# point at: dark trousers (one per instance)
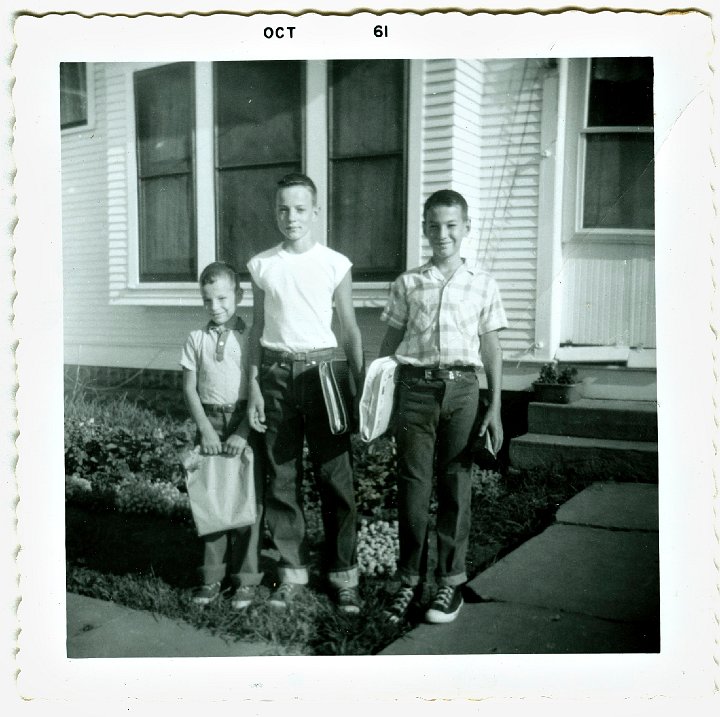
(236, 552)
(294, 409)
(436, 422)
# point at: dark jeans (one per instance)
(436, 419)
(236, 552)
(294, 408)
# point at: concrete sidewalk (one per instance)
(587, 584)
(96, 628)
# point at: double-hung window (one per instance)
(211, 141)
(612, 198)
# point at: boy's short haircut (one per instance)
(212, 272)
(446, 198)
(296, 179)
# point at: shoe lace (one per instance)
(444, 596)
(285, 590)
(403, 598)
(347, 595)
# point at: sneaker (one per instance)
(402, 599)
(446, 605)
(205, 594)
(242, 598)
(348, 600)
(284, 594)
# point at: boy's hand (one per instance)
(210, 442)
(491, 422)
(235, 444)
(256, 409)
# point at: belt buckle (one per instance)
(428, 374)
(452, 375)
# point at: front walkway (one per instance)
(587, 584)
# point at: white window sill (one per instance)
(365, 295)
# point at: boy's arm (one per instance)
(391, 341)
(210, 441)
(256, 403)
(491, 354)
(349, 330)
(237, 440)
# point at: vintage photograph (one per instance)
(487, 226)
(364, 356)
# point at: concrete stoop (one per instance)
(605, 437)
(596, 418)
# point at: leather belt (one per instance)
(219, 407)
(429, 373)
(301, 356)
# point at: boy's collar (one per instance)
(313, 243)
(234, 324)
(429, 264)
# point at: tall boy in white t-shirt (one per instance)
(294, 286)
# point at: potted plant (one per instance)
(557, 385)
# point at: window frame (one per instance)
(578, 131)
(89, 123)
(370, 294)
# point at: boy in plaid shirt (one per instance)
(443, 321)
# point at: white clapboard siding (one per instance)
(510, 116)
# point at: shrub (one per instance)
(374, 468)
(552, 373)
(486, 485)
(108, 442)
(139, 495)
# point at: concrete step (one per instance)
(602, 457)
(596, 418)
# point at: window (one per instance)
(367, 164)
(618, 183)
(164, 122)
(213, 139)
(258, 133)
(73, 95)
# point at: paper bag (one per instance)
(221, 490)
(378, 398)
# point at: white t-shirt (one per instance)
(299, 292)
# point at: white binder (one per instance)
(378, 398)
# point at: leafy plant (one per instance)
(552, 373)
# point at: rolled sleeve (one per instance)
(492, 315)
(395, 313)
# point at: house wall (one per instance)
(480, 135)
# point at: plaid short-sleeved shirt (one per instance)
(443, 320)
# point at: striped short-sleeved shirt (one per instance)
(443, 319)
